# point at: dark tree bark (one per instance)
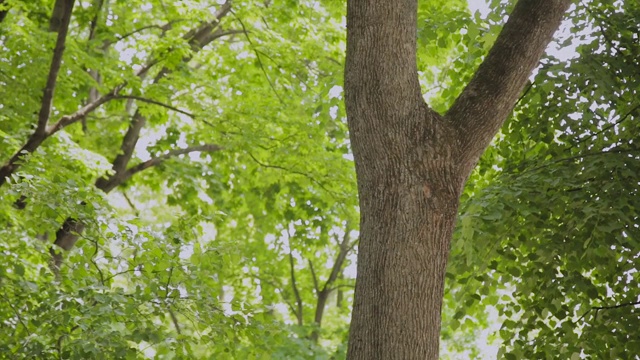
(412, 164)
(3, 12)
(56, 21)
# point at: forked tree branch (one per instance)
(195, 38)
(93, 25)
(69, 232)
(323, 294)
(173, 153)
(83, 112)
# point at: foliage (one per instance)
(241, 219)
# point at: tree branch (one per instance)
(40, 133)
(314, 277)
(610, 126)
(56, 21)
(598, 308)
(164, 28)
(84, 111)
(294, 285)
(67, 239)
(615, 150)
(480, 110)
(174, 319)
(68, 234)
(345, 247)
(155, 102)
(323, 295)
(94, 20)
(118, 179)
(138, 122)
(173, 153)
(246, 34)
(308, 176)
(56, 61)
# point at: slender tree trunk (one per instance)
(412, 164)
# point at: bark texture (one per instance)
(412, 164)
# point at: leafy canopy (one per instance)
(230, 228)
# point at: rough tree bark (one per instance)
(412, 163)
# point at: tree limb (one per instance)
(174, 319)
(294, 285)
(173, 153)
(138, 122)
(40, 133)
(480, 110)
(68, 234)
(610, 126)
(323, 295)
(246, 34)
(66, 239)
(155, 102)
(47, 97)
(94, 20)
(314, 276)
(84, 111)
(345, 248)
(164, 28)
(598, 308)
(57, 19)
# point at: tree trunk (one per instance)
(412, 164)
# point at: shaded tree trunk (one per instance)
(412, 163)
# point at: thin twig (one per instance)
(580, 156)
(166, 291)
(294, 285)
(598, 308)
(164, 28)
(345, 248)
(291, 171)
(155, 102)
(608, 127)
(174, 319)
(15, 311)
(313, 276)
(264, 71)
(157, 160)
(131, 205)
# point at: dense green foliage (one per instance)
(230, 230)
